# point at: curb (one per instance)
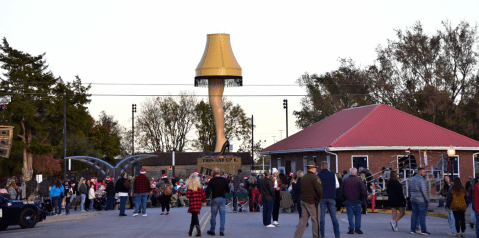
(69, 218)
(388, 211)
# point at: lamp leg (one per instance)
(215, 92)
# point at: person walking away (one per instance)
(122, 187)
(197, 198)
(450, 217)
(396, 199)
(339, 202)
(330, 184)
(167, 189)
(56, 194)
(91, 196)
(296, 190)
(353, 193)
(131, 192)
(419, 201)
(83, 191)
(217, 187)
(311, 195)
(277, 184)
(458, 201)
(266, 188)
(141, 187)
(110, 194)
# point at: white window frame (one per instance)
(293, 166)
(278, 165)
(458, 174)
(367, 160)
(305, 162)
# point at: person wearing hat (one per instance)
(110, 194)
(277, 186)
(311, 195)
(141, 187)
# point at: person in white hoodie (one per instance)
(91, 196)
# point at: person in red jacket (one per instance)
(141, 188)
(197, 197)
(475, 204)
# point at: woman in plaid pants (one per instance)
(197, 197)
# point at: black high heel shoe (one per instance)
(225, 148)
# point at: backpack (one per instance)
(168, 190)
(458, 202)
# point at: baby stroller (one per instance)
(48, 206)
(100, 201)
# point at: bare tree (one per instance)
(164, 122)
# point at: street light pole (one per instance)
(64, 136)
(133, 110)
(262, 148)
(285, 106)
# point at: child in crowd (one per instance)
(91, 196)
(67, 203)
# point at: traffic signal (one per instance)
(6, 134)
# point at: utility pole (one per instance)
(285, 106)
(280, 134)
(64, 136)
(252, 143)
(274, 139)
(133, 110)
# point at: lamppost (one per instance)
(451, 152)
(285, 106)
(262, 147)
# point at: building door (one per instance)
(293, 166)
(287, 167)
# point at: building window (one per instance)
(279, 163)
(359, 161)
(305, 162)
(328, 160)
(293, 166)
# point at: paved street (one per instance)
(109, 224)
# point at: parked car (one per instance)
(24, 213)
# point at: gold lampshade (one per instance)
(218, 62)
(451, 152)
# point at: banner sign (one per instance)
(226, 164)
(425, 158)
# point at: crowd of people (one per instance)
(313, 192)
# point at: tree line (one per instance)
(432, 76)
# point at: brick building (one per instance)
(373, 136)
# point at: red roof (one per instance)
(373, 125)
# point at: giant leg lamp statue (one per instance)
(218, 68)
